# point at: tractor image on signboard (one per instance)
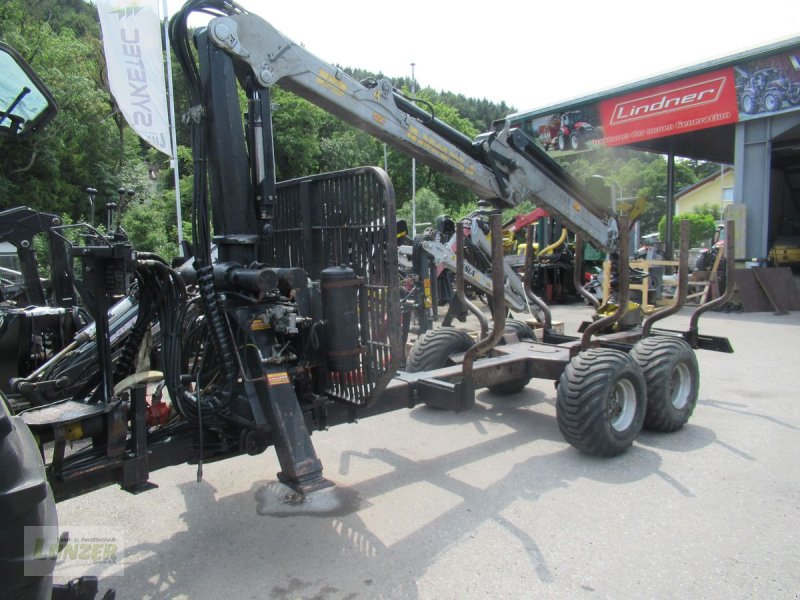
(765, 90)
(570, 131)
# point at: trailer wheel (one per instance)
(601, 402)
(433, 349)
(670, 370)
(520, 328)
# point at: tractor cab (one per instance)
(26, 104)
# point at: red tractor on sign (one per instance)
(570, 131)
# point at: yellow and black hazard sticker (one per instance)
(259, 325)
(331, 82)
(280, 378)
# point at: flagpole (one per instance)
(174, 137)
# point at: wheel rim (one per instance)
(622, 405)
(771, 103)
(681, 386)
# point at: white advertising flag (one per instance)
(132, 43)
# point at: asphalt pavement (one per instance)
(493, 503)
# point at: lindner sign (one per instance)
(690, 104)
(748, 90)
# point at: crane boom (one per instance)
(502, 166)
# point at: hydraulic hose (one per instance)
(218, 327)
(556, 244)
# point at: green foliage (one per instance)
(50, 170)
(346, 149)
(429, 206)
(709, 209)
(701, 227)
(89, 144)
(639, 175)
(296, 126)
(42, 246)
(480, 113)
(702, 168)
(151, 226)
(520, 209)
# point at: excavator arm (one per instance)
(502, 166)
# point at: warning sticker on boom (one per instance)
(278, 378)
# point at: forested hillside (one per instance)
(89, 143)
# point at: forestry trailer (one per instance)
(295, 325)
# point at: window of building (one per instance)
(727, 194)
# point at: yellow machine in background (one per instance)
(785, 252)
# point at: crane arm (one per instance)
(502, 166)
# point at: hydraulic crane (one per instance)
(293, 325)
(502, 166)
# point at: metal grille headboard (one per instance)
(348, 218)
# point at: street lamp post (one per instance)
(413, 171)
(669, 213)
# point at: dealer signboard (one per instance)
(690, 104)
(749, 90)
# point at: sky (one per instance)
(528, 54)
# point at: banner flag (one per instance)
(135, 61)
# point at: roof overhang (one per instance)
(691, 112)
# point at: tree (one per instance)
(481, 113)
(702, 168)
(701, 227)
(348, 148)
(429, 206)
(296, 125)
(709, 209)
(655, 188)
(638, 174)
(51, 170)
